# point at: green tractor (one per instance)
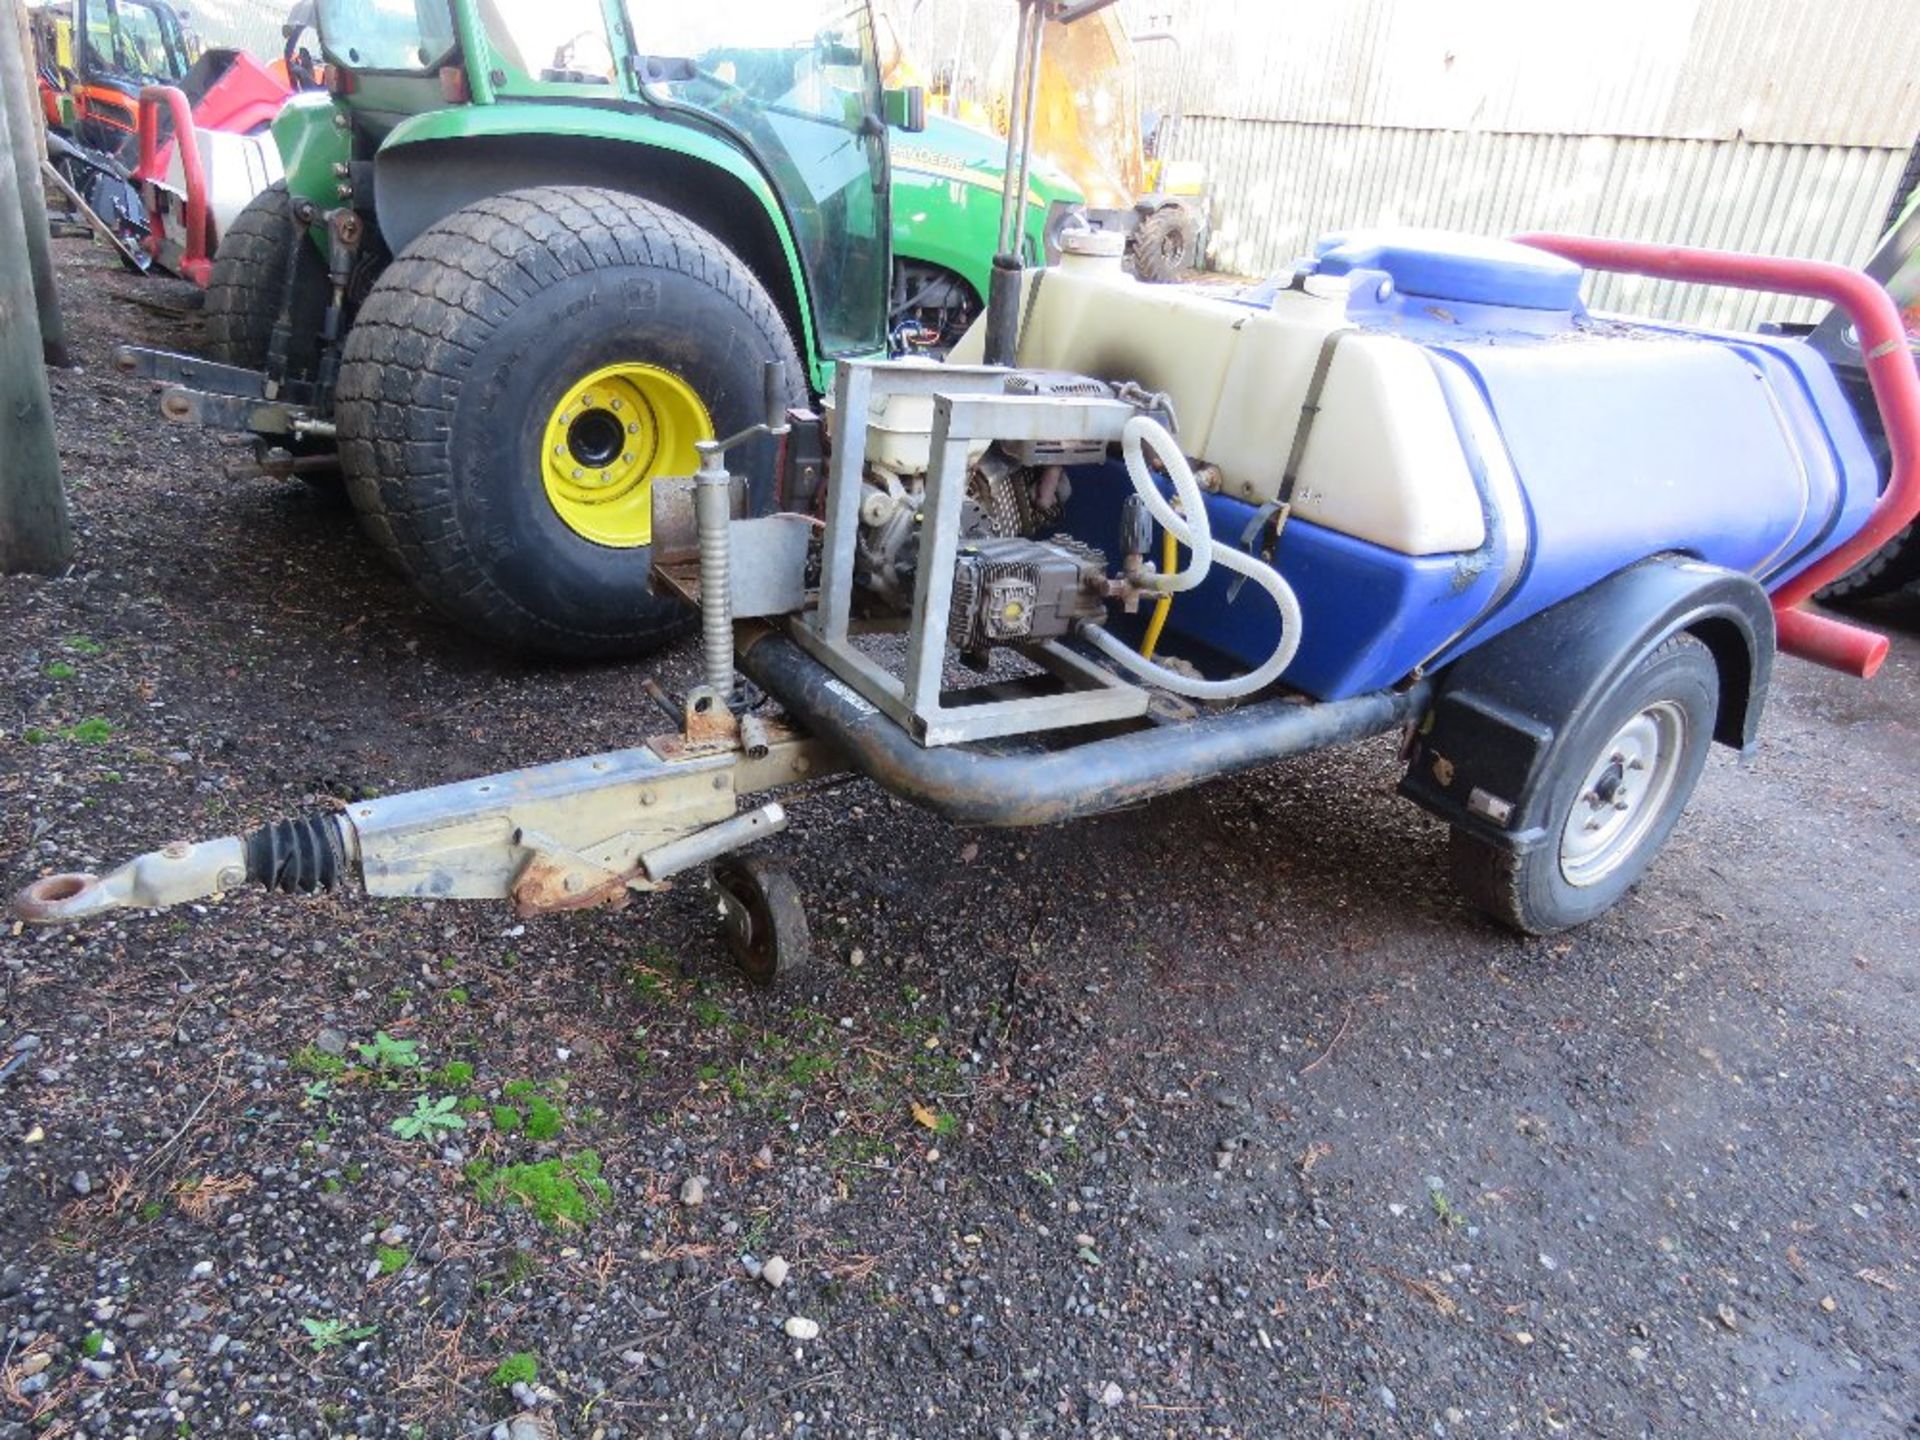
(1895, 263)
(525, 257)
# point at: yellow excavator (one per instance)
(1088, 123)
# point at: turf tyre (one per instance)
(1894, 566)
(461, 351)
(245, 289)
(1166, 245)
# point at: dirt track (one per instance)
(1231, 1119)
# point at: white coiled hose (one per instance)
(1143, 433)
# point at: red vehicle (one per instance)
(121, 81)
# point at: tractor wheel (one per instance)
(242, 305)
(1894, 566)
(513, 385)
(1615, 785)
(246, 287)
(1166, 245)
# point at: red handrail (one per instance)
(195, 263)
(1896, 393)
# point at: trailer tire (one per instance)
(1603, 827)
(1166, 245)
(494, 327)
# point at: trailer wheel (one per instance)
(1165, 245)
(1615, 786)
(764, 919)
(513, 385)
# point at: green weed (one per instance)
(392, 1259)
(430, 1116)
(561, 1193)
(520, 1368)
(387, 1053)
(324, 1335)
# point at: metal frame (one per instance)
(969, 404)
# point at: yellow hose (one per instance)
(1156, 622)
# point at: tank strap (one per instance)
(1262, 535)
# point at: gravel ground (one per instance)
(1221, 1116)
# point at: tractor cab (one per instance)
(95, 56)
(794, 87)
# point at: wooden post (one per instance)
(25, 25)
(18, 81)
(34, 533)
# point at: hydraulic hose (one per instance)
(1157, 622)
(1192, 530)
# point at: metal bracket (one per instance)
(970, 403)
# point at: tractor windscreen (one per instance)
(135, 39)
(407, 36)
(797, 81)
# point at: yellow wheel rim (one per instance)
(612, 434)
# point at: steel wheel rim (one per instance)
(610, 436)
(1624, 793)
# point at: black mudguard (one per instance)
(1500, 709)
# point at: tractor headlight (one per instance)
(1063, 218)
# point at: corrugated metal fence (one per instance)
(1767, 125)
(1770, 125)
(251, 25)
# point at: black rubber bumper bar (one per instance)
(1042, 787)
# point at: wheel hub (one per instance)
(609, 436)
(1624, 793)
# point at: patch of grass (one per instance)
(520, 1368)
(543, 1120)
(1445, 1210)
(531, 1112)
(94, 730)
(92, 1344)
(562, 1193)
(458, 995)
(84, 645)
(309, 1060)
(37, 735)
(520, 1269)
(708, 1013)
(60, 670)
(809, 1066)
(392, 1259)
(151, 1211)
(454, 1075)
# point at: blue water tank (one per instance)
(1464, 269)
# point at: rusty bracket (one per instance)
(556, 879)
